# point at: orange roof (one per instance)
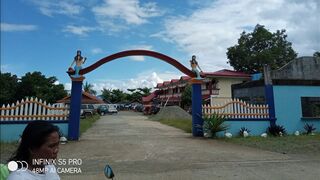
(159, 85)
(166, 83)
(150, 97)
(227, 73)
(87, 98)
(184, 78)
(174, 80)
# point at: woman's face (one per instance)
(49, 150)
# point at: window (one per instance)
(310, 107)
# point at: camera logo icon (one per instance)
(14, 165)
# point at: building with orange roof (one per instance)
(216, 84)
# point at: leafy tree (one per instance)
(144, 91)
(87, 87)
(37, 85)
(186, 96)
(258, 48)
(8, 88)
(131, 90)
(316, 54)
(117, 96)
(106, 94)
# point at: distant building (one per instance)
(296, 92)
(87, 98)
(215, 83)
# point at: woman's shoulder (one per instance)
(19, 174)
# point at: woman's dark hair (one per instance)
(34, 136)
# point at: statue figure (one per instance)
(79, 60)
(195, 66)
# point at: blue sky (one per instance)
(44, 35)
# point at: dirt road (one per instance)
(137, 148)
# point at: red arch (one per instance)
(163, 57)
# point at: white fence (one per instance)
(237, 109)
(33, 109)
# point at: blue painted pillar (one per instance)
(75, 104)
(268, 88)
(197, 121)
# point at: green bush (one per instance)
(309, 128)
(276, 130)
(213, 124)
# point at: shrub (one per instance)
(242, 130)
(309, 128)
(276, 130)
(214, 123)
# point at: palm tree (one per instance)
(144, 91)
(87, 87)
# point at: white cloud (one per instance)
(96, 51)
(139, 47)
(78, 30)
(145, 79)
(112, 13)
(17, 27)
(52, 7)
(210, 30)
(67, 86)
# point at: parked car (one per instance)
(87, 110)
(107, 109)
(112, 108)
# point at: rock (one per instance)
(245, 134)
(63, 140)
(228, 135)
(264, 135)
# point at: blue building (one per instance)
(296, 94)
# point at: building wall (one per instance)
(300, 68)
(224, 84)
(288, 106)
(256, 128)
(12, 132)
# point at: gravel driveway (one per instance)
(137, 148)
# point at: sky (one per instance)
(44, 35)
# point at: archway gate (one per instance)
(76, 90)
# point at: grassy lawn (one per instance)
(304, 144)
(86, 123)
(6, 149)
(183, 124)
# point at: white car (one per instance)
(112, 108)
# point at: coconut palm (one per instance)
(87, 87)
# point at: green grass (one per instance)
(87, 122)
(304, 144)
(183, 124)
(6, 150)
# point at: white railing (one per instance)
(237, 109)
(33, 109)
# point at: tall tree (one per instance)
(258, 48)
(145, 91)
(117, 96)
(37, 85)
(8, 88)
(87, 87)
(316, 54)
(106, 94)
